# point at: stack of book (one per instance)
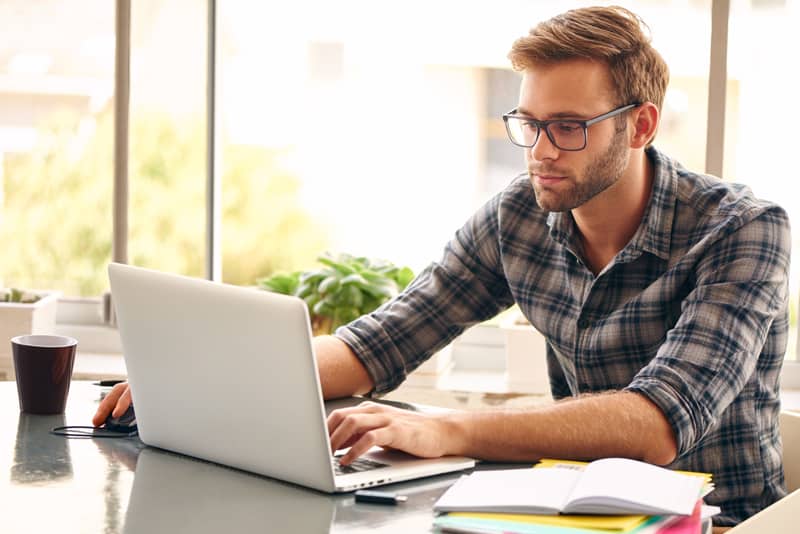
(609, 496)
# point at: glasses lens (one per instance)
(521, 132)
(568, 135)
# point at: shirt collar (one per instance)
(654, 233)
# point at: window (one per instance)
(167, 151)
(56, 141)
(331, 131)
(56, 86)
(330, 126)
(761, 116)
(341, 132)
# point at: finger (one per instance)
(377, 436)
(350, 441)
(123, 403)
(108, 404)
(355, 425)
(334, 420)
(336, 417)
(374, 407)
(344, 431)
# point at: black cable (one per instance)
(87, 432)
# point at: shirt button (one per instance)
(583, 323)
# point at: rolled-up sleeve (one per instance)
(465, 287)
(713, 349)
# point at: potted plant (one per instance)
(344, 288)
(23, 312)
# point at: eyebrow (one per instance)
(559, 115)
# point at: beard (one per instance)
(598, 175)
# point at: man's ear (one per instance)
(645, 122)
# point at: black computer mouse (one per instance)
(124, 423)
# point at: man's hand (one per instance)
(370, 424)
(115, 403)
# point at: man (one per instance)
(662, 293)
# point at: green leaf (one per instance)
(280, 283)
(382, 292)
(336, 265)
(370, 303)
(345, 315)
(330, 300)
(312, 277)
(373, 277)
(311, 301)
(329, 284)
(355, 279)
(304, 290)
(403, 277)
(354, 296)
(323, 308)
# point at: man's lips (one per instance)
(547, 179)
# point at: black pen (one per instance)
(107, 383)
(379, 497)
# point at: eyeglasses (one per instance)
(565, 134)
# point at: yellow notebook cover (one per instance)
(611, 523)
(552, 462)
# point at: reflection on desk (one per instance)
(52, 484)
(179, 494)
(173, 493)
(37, 461)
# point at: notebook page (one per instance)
(618, 484)
(510, 490)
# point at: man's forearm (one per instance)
(623, 424)
(341, 372)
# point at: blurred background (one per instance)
(370, 128)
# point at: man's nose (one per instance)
(544, 148)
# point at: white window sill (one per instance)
(472, 373)
(458, 389)
(790, 399)
(94, 366)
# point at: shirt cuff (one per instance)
(381, 375)
(672, 405)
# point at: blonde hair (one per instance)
(613, 35)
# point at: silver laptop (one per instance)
(228, 374)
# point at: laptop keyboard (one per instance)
(360, 464)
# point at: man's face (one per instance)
(575, 89)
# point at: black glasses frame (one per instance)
(545, 125)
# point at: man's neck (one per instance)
(608, 222)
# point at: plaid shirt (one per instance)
(692, 314)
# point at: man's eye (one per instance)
(567, 127)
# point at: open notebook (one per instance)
(608, 486)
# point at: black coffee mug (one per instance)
(43, 365)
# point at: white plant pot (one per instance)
(17, 319)
(433, 369)
(526, 359)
